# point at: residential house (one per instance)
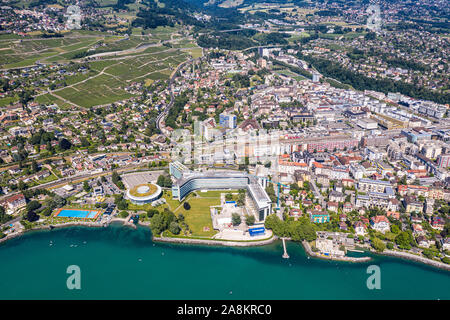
(380, 223)
(360, 228)
(332, 206)
(317, 216)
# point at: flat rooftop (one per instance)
(254, 187)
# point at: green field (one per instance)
(199, 217)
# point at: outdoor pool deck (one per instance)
(75, 213)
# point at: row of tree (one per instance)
(362, 82)
(299, 230)
(164, 181)
(167, 220)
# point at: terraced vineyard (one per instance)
(114, 62)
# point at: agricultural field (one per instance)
(98, 90)
(114, 62)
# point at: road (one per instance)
(67, 180)
(165, 111)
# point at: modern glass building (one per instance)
(191, 181)
(228, 120)
(176, 169)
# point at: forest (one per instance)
(362, 82)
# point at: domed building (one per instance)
(144, 193)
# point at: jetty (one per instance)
(285, 254)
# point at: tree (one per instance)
(3, 216)
(278, 227)
(117, 180)
(157, 224)
(174, 228)
(375, 211)
(33, 205)
(250, 220)
(301, 230)
(32, 216)
(84, 142)
(152, 212)
(428, 253)
(395, 228)
(378, 245)
(123, 214)
(22, 185)
(404, 240)
(186, 206)
(370, 36)
(34, 166)
(271, 192)
(236, 219)
(122, 204)
(65, 144)
(241, 198)
(180, 218)
(228, 197)
(86, 186)
(164, 181)
(403, 180)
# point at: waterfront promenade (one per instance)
(410, 256)
(216, 242)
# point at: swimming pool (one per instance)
(74, 213)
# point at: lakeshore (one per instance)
(123, 263)
(412, 257)
(216, 242)
(229, 243)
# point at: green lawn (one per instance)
(199, 215)
(170, 204)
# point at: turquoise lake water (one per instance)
(122, 263)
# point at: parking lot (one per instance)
(133, 179)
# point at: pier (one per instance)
(285, 254)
